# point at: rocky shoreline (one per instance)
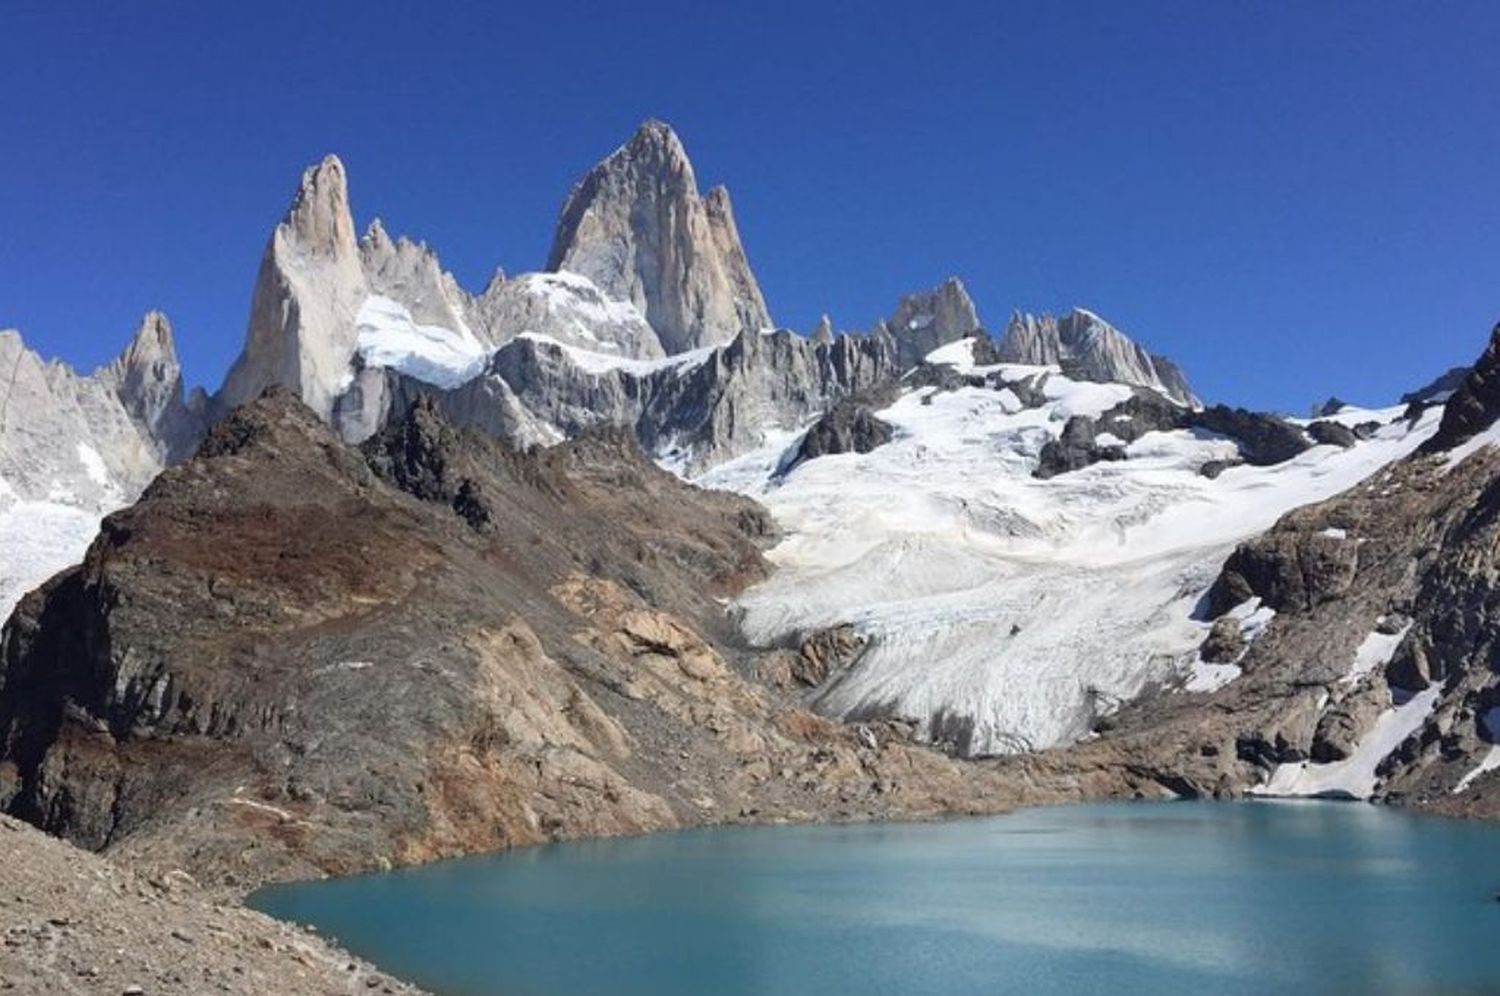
(77, 923)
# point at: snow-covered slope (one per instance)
(388, 336)
(1005, 612)
(40, 538)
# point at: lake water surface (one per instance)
(1161, 898)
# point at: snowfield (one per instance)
(1004, 612)
(40, 538)
(388, 336)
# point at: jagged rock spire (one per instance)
(302, 331)
(147, 378)
(636, 226)
(410, 272)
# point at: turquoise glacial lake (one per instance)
(1160, 898)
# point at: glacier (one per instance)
(1005, 613)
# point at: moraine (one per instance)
(1160, 898)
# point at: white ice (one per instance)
(388, 336)
(40, 538)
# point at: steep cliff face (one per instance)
(311, 283)
(293, 656)
(637, 227)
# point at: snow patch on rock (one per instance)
(1354, 777)
(388, 336)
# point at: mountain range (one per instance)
(601, 549)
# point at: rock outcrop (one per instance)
(636, 226)
(1087, 347)
(1263, 439)
(1074, 448)
(850, 426)
(1475, 403)
(311, 283)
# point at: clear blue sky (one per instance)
(1291, 199)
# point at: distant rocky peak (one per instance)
(376, 239)
(319, 219)
(149, 363)
(924, 321)
(823, 331)
(655, 150)
(1090, 348)
(153, 345)
(147, 380)
(636, 226)
(301, 333)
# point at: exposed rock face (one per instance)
(637, 227)
(923, 322)
(1438, 389)
(1089, 348)
(1475, 404)
(1074, 449)
(311, 283)
(294, 657)
(1263, 439)
(1224, 642)
(1287, 570)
